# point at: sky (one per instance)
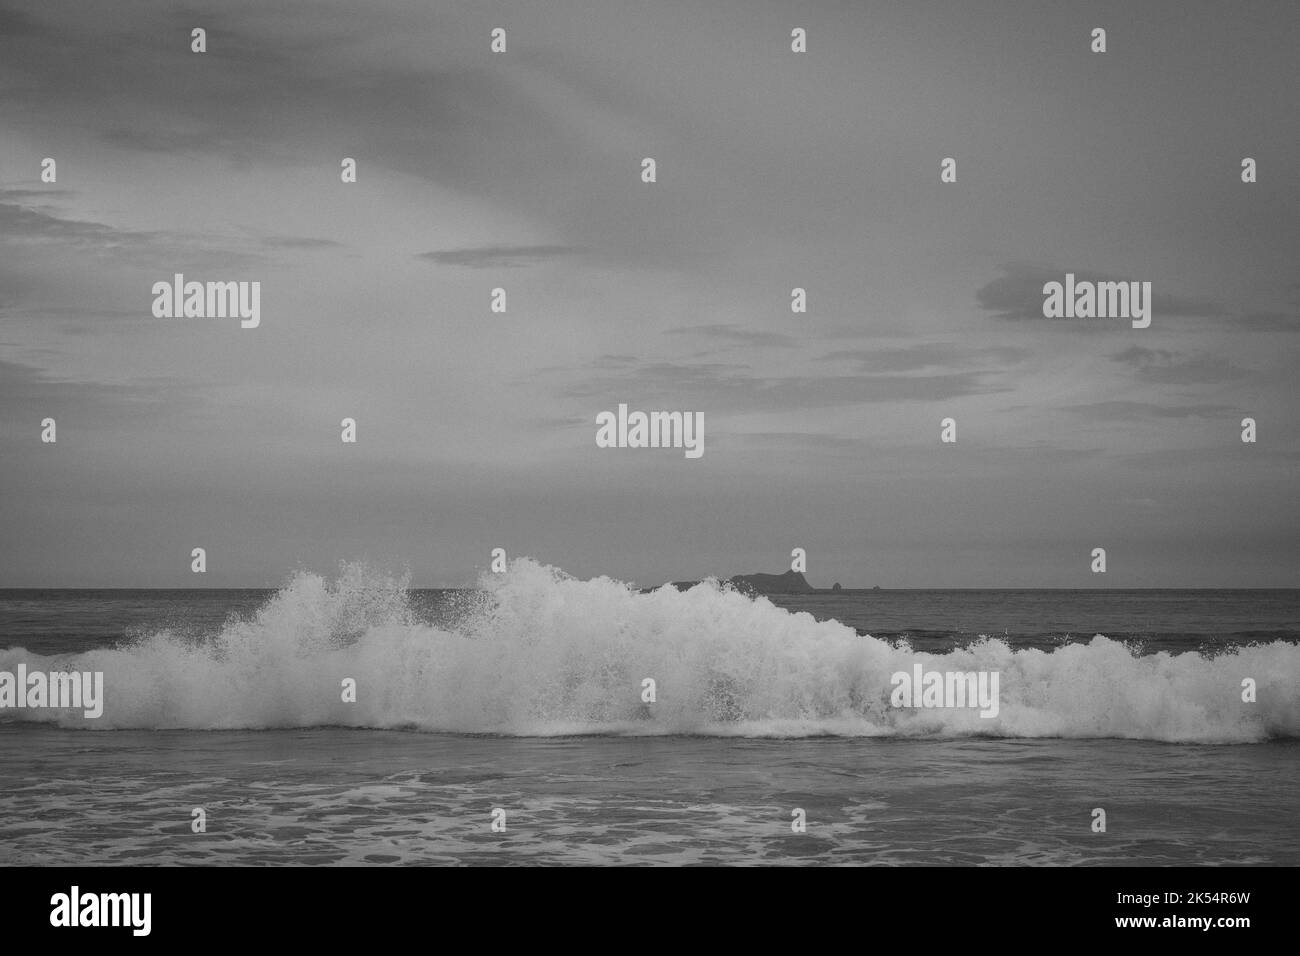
(774, 170)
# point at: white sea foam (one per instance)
(540, 653)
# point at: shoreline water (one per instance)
(336, 796)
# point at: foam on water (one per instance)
(541, 653)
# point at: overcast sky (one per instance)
(775, 170)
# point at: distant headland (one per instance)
(791, 582)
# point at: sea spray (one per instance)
(536, 652)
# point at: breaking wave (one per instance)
(536, 652)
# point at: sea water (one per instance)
(522, 703)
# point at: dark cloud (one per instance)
(497, 257)
(524, 134)
(269, 90)
(300, 242)
(613, 361)
(1164, 368)
(1141, 411)
(22, 223)
(1018, 293)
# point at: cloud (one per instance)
(1163, 367)
(496, 257)
(738, 336)
(927, 355)
(15, 23)
(19, 195)
(300, 242)
(28, 394)
(15, 287)
(614, 361)
(733, 388)
(544, 135)
(24, 224)
(1270, 321)
(1018, 294)
(1142, 411)
(1138, 356)
(167, 141)
(1206, 370)
(811, 441)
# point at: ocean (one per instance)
(513, 724)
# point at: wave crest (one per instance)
(536, 652)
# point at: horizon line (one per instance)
(842, 590)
